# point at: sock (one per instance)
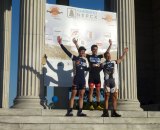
(69, 110)
(90, 103)
(113, 111)
(79, 110)
(105, 110)
(98, 103)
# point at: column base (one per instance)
(129, 105)
(25, 102)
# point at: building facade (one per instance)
(138, 29)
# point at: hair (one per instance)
(106, 53)
(93, 46)
(81, 48)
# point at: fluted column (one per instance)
(31, 45)
(127, 69)
(5, 46)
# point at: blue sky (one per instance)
(90, 4)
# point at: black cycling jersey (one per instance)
(94, 64)
(80, 66)
(94, 60)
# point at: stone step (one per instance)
(76, 120)
(54, 112)
(38, 119)
(79, 126)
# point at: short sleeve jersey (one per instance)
(80, 67)
(94, 60)
(109, 68)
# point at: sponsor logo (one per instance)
(81, 14)
(95, 59)
(108, 18)
(54, 11)
(71, 13)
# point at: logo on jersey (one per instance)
(95, 59)
(82, 63)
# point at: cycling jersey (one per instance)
(110, 73)
(81, 67)
(94, 73)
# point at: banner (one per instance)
(88, 26)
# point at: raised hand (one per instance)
(126, 50)
(75, 41)
(110, 41)
(59, 40)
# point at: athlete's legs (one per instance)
(98, 94)
(105, 110)
(107, 94)
(81, 95)
(98, 87)
(114, 100)
(91, 88)
(71, 102)
(106, 99)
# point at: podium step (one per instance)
(32, 119)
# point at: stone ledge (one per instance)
(55, 112)
(95, 113)
(20, 112)
(79, 126)
(62, 112)
(153, 114)
(76, 120)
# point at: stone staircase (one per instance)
(38, 119)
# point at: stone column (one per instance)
(127, 69)
(5, 45)
(31, 45)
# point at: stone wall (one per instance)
(147, 14)
(145, 51)
(156, 41)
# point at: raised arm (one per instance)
(110, 45)
(123, 55)
(76, 43)
(59, 40)
(108, 49)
